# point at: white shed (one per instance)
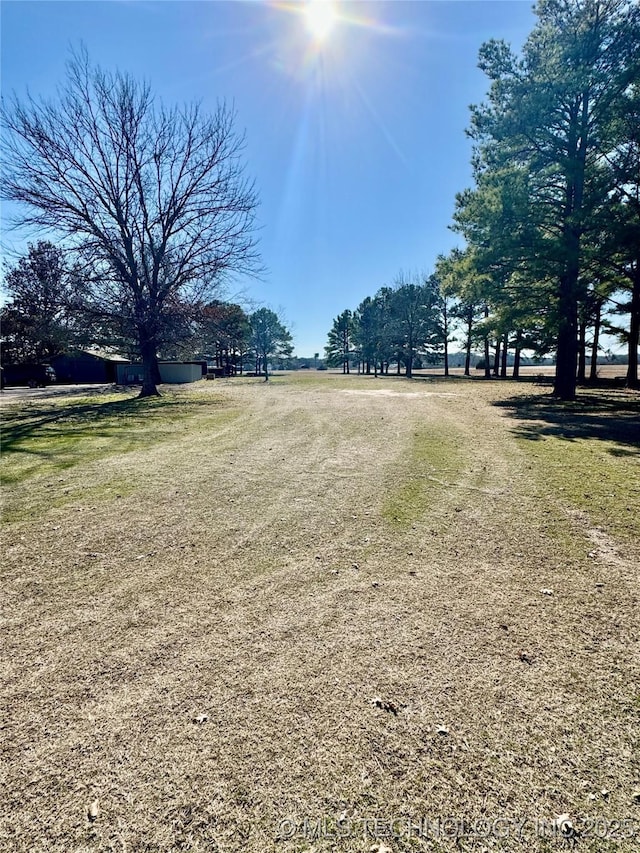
(180, 371)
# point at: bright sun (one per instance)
(321, 18)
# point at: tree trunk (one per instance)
(409, 366)
(582, 351)
(150, 370)
(446, 338)
(496, 357)
(634, 332)
(505, 352)
(567, 349)
(487, 357)
(516, 354)
(467, 358)
(593, 371)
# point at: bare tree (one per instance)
(153, 200)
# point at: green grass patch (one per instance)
(586, 454)
(62, 451)
(594, 478)
(434, 456)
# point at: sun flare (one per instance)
(321, 18)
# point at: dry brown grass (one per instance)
(286, 555)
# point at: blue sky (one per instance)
(355, 141)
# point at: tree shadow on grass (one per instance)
(31, 428)
(431, 378)
(603, 416)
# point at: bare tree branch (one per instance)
(153, 199)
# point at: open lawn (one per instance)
(278, 617)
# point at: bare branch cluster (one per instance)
(153, 199)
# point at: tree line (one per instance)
(551, 226)
(50, 313)
(403, 324)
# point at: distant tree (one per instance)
(414, 320)
(367, 334)
(340, 341)
(269, 339)
(152, 200)
(442, 295)
(225, 333)
(387, 332)
(459, 280)
(41, 320)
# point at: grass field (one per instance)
(278, 617)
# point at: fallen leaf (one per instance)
(525, 658)
(201, 718)
(390, 707)
(546, 591)
(442, 730)
(93, 811)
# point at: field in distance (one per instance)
(278, 617)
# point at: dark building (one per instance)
(86, 366)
